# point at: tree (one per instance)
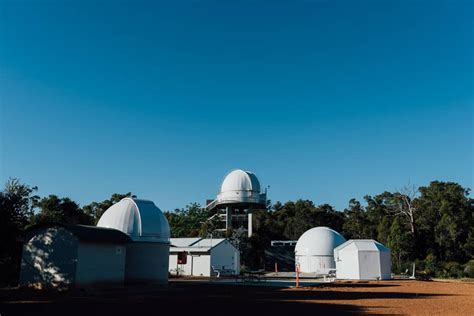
(399, 241)
(60, 210)
(16, 206)
(187, 222)
(356, 223)
(383, 230)
(402, 204)
(445, 221)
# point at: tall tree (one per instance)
(356, 223)
(403, 204)
(16, 206)
(187, 222)
(399, 241)
(445, 220)
(60, 210)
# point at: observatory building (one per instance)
(314, 251)
(239, 194)
(363, 259)
(56, 255)
(203, 257)
(147, 256)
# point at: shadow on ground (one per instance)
(189, 297)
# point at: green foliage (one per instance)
(16, 206)
(399, 241)
(445, 221)
(188, 222)
(469, 269)
(356, 222)
(60, 210)
(452, 270)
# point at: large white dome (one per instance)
(140, 219)
(241, 187)
(318, 241)
(239, 180)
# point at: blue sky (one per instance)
(323, 100)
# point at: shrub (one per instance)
(452, 270)
(423, 275)
(431, 265)
(469, 269)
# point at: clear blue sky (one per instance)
(323, 100)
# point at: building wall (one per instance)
(315, 264)
(347, 264)
(200, 264)
(385, 265)
(363, 265)
(369, 265)
(147, 262)
(49, 258)
(100, 263)
(173, 264)
(225, 256)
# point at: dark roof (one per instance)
(88, 233)
(94, 234)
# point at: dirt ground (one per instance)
(182, 297)
(399, 297)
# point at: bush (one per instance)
(452, 270)
(431, 265)
(423, 275)
(469, 269)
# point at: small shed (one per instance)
(203, 257)
(362, 259)
(57, 255)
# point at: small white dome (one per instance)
(239, 180)
(140, 219)
(318, 241)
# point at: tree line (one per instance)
(431, 225)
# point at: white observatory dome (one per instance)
(318, 241)
(239, 180)
(314, 251)
(241, 187)
(140, 219)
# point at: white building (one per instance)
(314, 251)
(147, 255)
(73, 255)
(203, 257)
(362, 259)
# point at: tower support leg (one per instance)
(250, 225)
(228, 218)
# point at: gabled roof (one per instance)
(190, 249)
(184, 242)
(87, 233)
(208, 242)
(200, 245)
(363, 245)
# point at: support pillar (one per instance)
(228, 218)
(250, 224)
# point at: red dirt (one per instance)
(400, 297)
(377, 297)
